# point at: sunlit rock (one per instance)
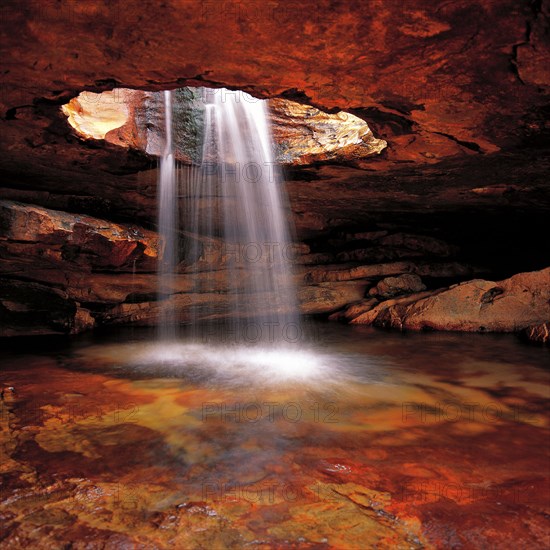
(94, 115)
(305, 134)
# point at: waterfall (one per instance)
(256, 236)
(168, 229)
(234, 213)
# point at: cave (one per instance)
(275, 274)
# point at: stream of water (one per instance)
(167, 224)
(242, 237)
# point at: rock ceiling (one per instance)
(458, 90)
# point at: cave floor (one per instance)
(432, 440)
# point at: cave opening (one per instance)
(133, 118)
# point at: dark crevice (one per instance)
(11, 113)
(467, 144)
(378, 119)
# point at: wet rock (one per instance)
(313, 299)
(394, 286)
(371, 315)
(64, 273)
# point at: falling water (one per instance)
(168, 230)
(234, 202)
(238, 153)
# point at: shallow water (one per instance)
(360, 439)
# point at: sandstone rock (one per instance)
(428, 100)
(475, 306)
(93, 116)
(328, 297)
(435, 121)
(304, 134)
(65, 273)
(343, 272)
(348, 273)
(367, 235)
(447, 108)
(354, 310)
(394, 286)
(371, 315)
(317, 258)
(377, 254)
(383, 247)
(314, 299)
(81, 240)
(446, 270)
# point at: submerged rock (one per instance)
(539, 333)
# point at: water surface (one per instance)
(360, 439)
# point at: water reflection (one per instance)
(367, 439)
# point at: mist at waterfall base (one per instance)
(256, 328)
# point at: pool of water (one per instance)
(357, 439)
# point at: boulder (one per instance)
(328, 297)
(371, 315)
(354, 310)
(510, 305)
(395, 286)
